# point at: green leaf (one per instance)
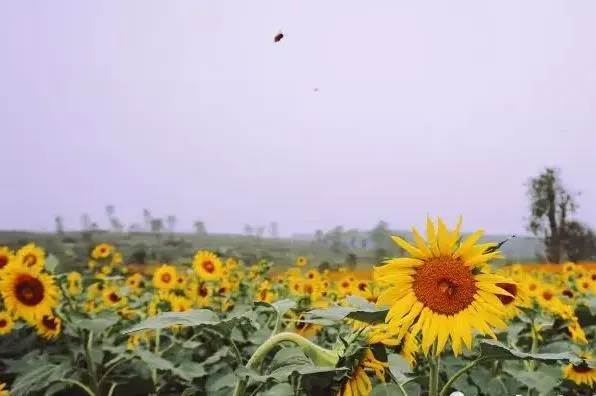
(386, 389)
(481, 377)
(496, 387)
(360, 303)
(543, 382)
(189, 370)
(193, 317)
(338, 313)
(293, 356)
(413, 389)
(103, 321)
(51, 263)
(514, 331)
(281, 306)
(34, 380)
(153, 361)
(218, 382)
(497, 351)
(280, 390)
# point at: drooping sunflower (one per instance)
(440, 290)
(30, 256)
(302, 327)
(101, 251)
(207, 265)
(28, 294)
(582, 374)
(6, 323)
(49, 326)
(6, 257)
(164, 277)
(301, 261)
(407, 347)
(358, 383)
(514, 301)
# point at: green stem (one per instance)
(111, 391)
(320, 356)
(458, 374)
(77, 383)
(112, 367)
(435, 362)
(89, 360)
(156, 351)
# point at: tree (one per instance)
(380, 234)
(274, 229)
(319, 237)
(171, 221)
(59, 221)
(580, 242)
(86, 221)
(550, 207)
(156, 225)
(110, 211)
(248, 230)
(147, 218)
(200, 228)
(335, 238)
(351, 261)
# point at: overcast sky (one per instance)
(189, 108)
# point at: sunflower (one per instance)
(135, 283)
(358, 384)
(3, 390)
(31, 256)
(531, 286)
(568, 268)
(111, 297)
(164, 277)
(344, 286)
(303, 328)
(582, 374)
(441, 291)
(407, 347)
(547, 297)
(207, 265)
(180, 304)
(6, 323)
(133, 342)
(28, 294)
(296, 286)
(6, 257)
(514, 301)
(181, 281)
(576, 332)
(116, 259)
(49, 326)
(75, 283)
(301, 261)
(204, 294)
(584, 284)
(312, 288)
(362, 288)
(101, 251)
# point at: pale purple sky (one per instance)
(189, 108)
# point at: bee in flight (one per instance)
(277, 38)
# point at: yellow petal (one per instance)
(468, 243)
(443, 240)
(443, 332)
(414, 252)
(420, 242)
(389, 296)
(431, 237)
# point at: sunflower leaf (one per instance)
(51, 263)
(281, 306)
(543, 382)
(97, 325)
(497, 351)
(338, 313)
(193, 317)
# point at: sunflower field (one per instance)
(438, 321)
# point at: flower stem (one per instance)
(79, 384)
(458, 374)
(320, 356)
(433, 379)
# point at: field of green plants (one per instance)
(437, 320)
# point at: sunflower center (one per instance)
(3, 261)
(209, 266)
(345, 285)
(301, 325)
(29, 260)
(29, 290)
(547, 295)
(445, 285)
(114, 297)
(308, 289)
(263, 294)
(362, 286)
(203, 292)
(582, 369)
(3, 323)
(166, 278)
(533, 286)
(509, 287)
(50, 322)
(568, 293)
(585, 285)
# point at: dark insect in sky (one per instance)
(278, 37)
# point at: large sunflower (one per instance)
(207, 265)
(6, 323)
(441, 290)
(164, 277)
(28, 294)
(30, 256)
